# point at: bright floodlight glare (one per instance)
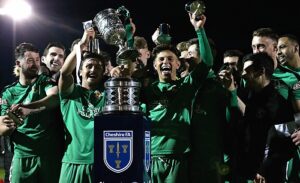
(17, 9)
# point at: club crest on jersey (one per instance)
(296, 86)
(118, 150)
(147, 155)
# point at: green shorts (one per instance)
(82, 173)
(169, 169)
(35, 170)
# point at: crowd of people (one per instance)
(238, 124)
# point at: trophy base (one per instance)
(112, 109)
(122, 148)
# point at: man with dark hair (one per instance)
(288, 50)
(79, 105)
(169, 103)
(53, 57)
(26, 115)
(288, 56)
(264, 108)
(233, 59)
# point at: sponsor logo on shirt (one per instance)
(89, 112)
(98, 94)
(3, 101)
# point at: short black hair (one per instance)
(291, 37)
(233, 53)
(53, 44)
(261, 60)
(164, 47)
(22, 48)
(89, 55)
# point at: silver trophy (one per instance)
(122, 93)
(196, 7)
(112, 31)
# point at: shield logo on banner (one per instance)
(118, 150)
(147, 156)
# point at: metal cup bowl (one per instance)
(110, 27)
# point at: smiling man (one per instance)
(79, 105)
(37, 145)
(53, 58)
(168, 102)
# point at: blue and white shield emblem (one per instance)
(118, 150)
(147, 156)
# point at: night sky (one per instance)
(229, 23)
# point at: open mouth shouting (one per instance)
(166, 69)
(92, 76)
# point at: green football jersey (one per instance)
(208, 131)
(289, 85)
(78, 110)
(38, 133)
(209, 118)
(293, 85)
(169, 108)
(169, 105)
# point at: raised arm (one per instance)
(66, 80)
(204, 47)
(130, 30)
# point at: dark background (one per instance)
(229, 23)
